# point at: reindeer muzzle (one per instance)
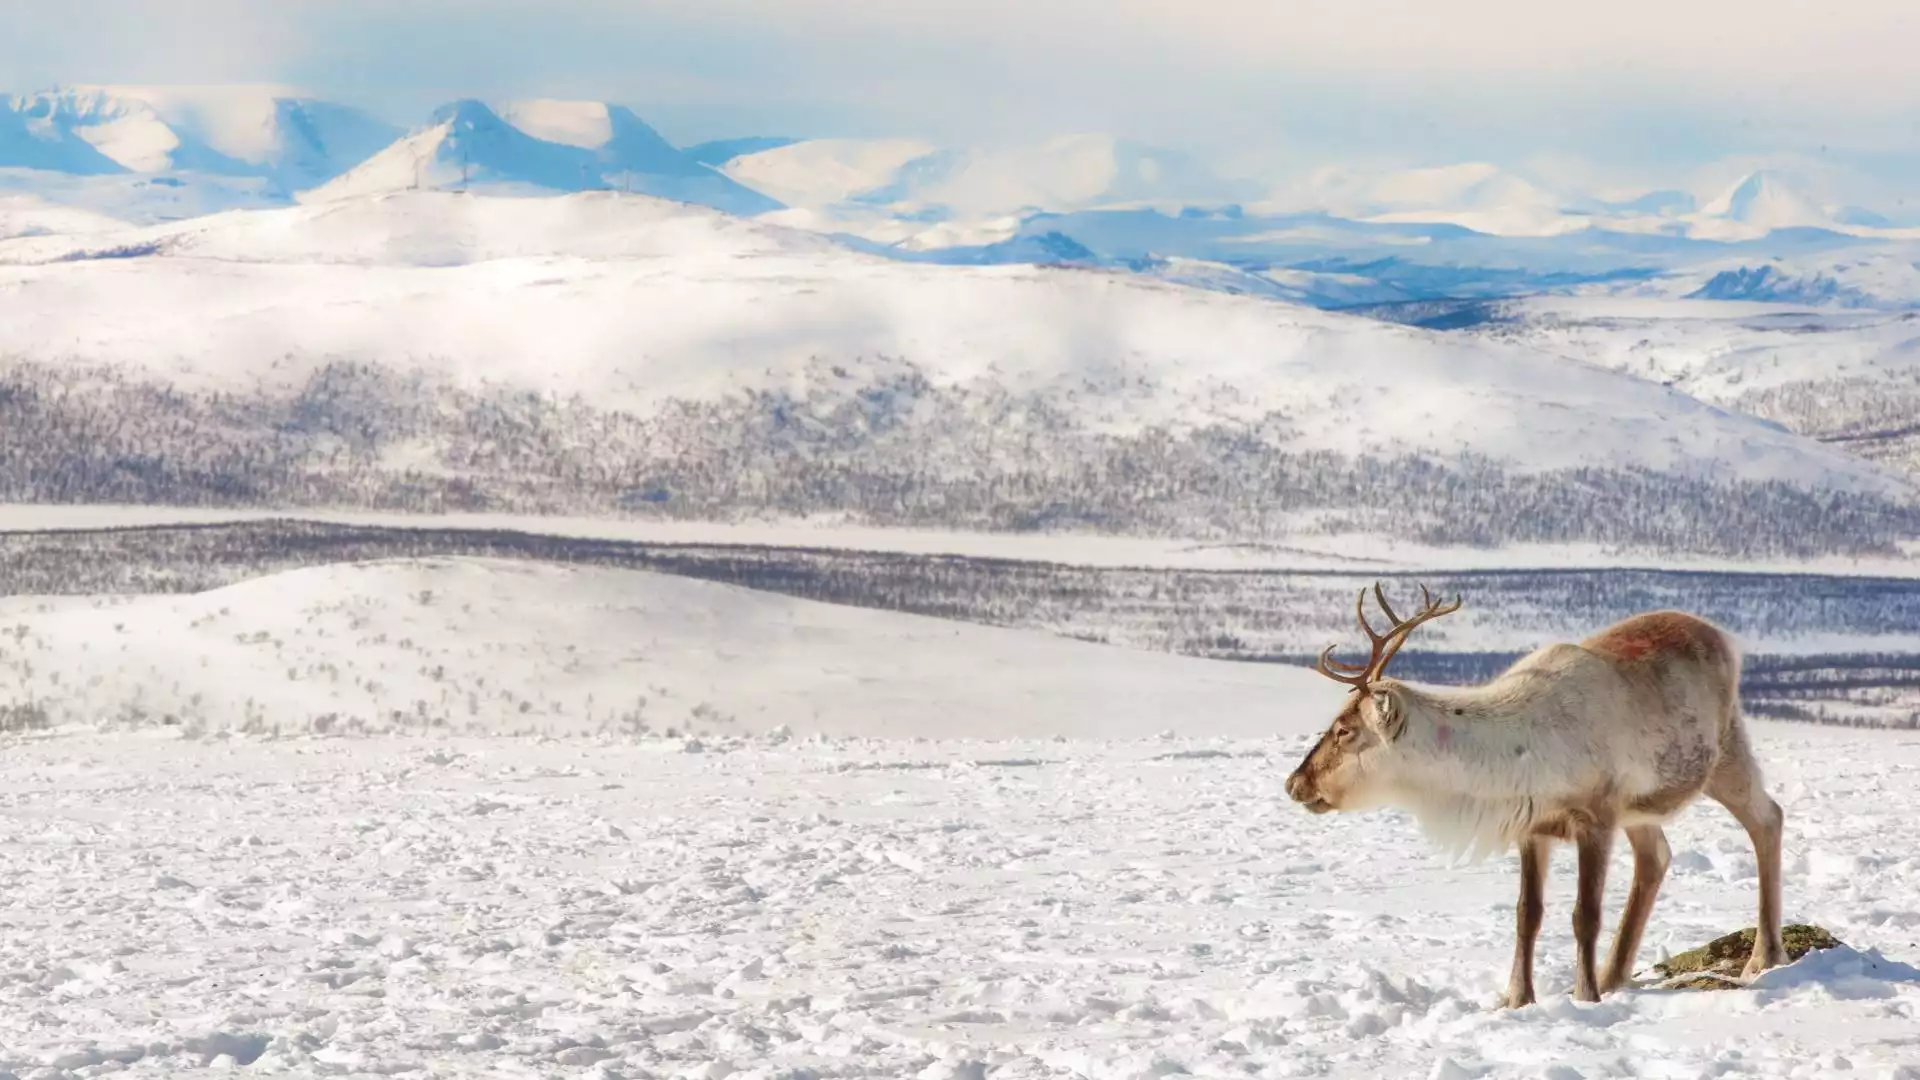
(1304, 792)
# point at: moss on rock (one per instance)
(1717, 964)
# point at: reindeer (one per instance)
(1570, 743)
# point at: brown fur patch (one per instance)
(1568, 823)
(1685, 763)
(1659, 635)
(1325, 754)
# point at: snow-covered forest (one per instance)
(896, 450)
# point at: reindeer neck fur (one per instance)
(1479, 766)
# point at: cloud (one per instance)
(144, 41)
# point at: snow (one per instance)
(502, 646)
(435, 231)
(139, 198)
(30, 215)
(1336, 552)
(1878, 279)
(1718, 351)
(754, 902)
(1297, 286)
(637, 301)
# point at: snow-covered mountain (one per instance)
(1757, 204)
(816, 174)
(264, 132)
(701, 364)
(1887, 280)
(1473, 195)
(541, 148)
(851, 180)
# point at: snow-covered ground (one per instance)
(1111, 910)
(630, 825)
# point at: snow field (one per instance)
(506, 647)
(816, 907)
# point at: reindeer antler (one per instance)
(1383, 645)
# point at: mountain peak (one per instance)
(467, 114)
(1762, 198)
(541, 147)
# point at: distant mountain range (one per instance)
(84, 159)
(299, 144)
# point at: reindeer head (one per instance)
(1344, 770)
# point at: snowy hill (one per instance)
(433, 229)
(481, 280)
(142, 198)
(541, 148)
(30, 215)
(483, 646)
(694, 364)
(1849, 379)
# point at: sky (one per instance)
(1628, 90)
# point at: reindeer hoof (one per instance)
(1514, 999)
(1624, 982)
(1758, 964)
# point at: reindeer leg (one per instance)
(1595, 844)
(1735, 784)
(1650, 858)
(1534, 853)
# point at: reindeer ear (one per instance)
(1389, 712)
